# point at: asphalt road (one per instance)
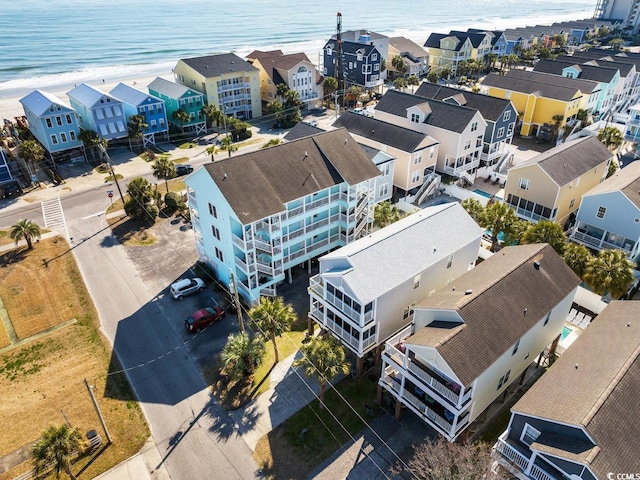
(194, 436)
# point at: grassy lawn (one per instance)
(42, 380)
(187, 145)
(312, 435)
(5, 239)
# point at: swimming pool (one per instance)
(482, 192)
(566, 331)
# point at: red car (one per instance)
(203, 317)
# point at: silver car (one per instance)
(186, 286)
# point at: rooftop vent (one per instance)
(536, 265)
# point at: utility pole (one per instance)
(236, 301)
(97, 407)
(113, 174)
(339, 70)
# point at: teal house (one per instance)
(178, 97)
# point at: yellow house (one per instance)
(227, 81)
(449, 49)
(543, 99)
(550, 186)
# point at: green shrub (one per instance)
(152, 212)
(133, 209)
(172, 200)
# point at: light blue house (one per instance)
(383, 186)
(98, 111)
(137, 102)
(632, 127)
(609, 214)
(256, 216)
(54, 125)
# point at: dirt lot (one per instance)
(42, 376)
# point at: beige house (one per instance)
(550, 186)
(295, 70)
(226, 80)
(416, 153)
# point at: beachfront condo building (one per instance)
(54, 124)
(179, 100)
(609, 214)
(137, 102)
(365, 292)
(471, 339)
(416, 58)
(415, 153)
(294, 70)
(550, 185)
(362, 54)
(98, 111)
(258, 215)
(459, 130)
(627, 12)
(579, 420)
(545, 102)
(226, 81)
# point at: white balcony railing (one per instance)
(512, 454)
(596, 242)
(430, 414)
(539, 474)
(434, 384)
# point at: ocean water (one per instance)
(45, 43)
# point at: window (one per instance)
(54, 139)
(350, 65)
(507, 116)
(374, 57)
(416, 281)
(213, 211)
(474, 126)
(215, 231)
(417, 159)
(415, 118)
(467, 145)
(503, 380)
(546, 319)
(515, 348)
(601, 212)
(384, 190)
(49, 124)
(219, 255)
(415, 176)
(524, 184)
(501, 132)
(360, 57)
(63, 137)
(450, 261)
(385, 168)
(59, 121)
(68, 117)
(72, 135)
(376, 67)
(407, 312)
(529, 434)
(572, 203)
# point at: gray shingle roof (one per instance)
(587, 72)
(216, 65)
(383, 132)
(502, 287)
(404, 45)
(301, 130)
(392, 255)
(259, 184)
(625, 180)
(443, 115)
(601, 394)
(623, 64)
(491, 108)
(568, 161)
(546, 84)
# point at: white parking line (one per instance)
(94, 215)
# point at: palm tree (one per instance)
(274, 107)
(324, 358)
(474, 208)
(163, 168)
(329, 86)
(140, 190)
(92, 141)
(227, 144)
(400, 83)
(54, 450)
(25, 229)
(136, 127)
(281, 91)
(576, 256)
(399, 65)
(242, 355)
(413, 81)
(32, 152)
(490, 60)
(213, 114)
(273, 317)
(610, 137)
(497, 217)
(610, 271)
(546, 231)
(182, 117)
(211, 151)
(384, 214)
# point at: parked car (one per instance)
(313, 123)
(183, 169)
(202, 318)
(186, 286)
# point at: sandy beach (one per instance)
(11, 107)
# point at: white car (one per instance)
(186, 286)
